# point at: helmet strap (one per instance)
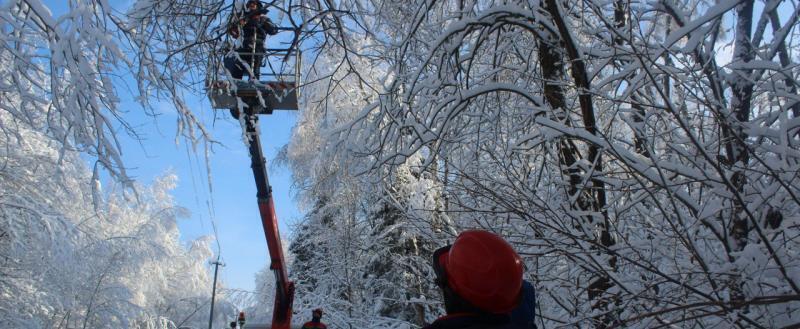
(453, 303)
(438, 268)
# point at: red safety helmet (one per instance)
(317, 311)
(481, 268)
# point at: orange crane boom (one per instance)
(284, 288)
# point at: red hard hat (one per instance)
(317, 310)
(483, 269)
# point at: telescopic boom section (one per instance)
(284, 294)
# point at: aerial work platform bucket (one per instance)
(276, 95)
(280, 68)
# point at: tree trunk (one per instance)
(738, 156)
(593, 199)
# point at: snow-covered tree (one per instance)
(642, 157)
(69, 263)
(356, 254)
(65, 75)
(74, 255)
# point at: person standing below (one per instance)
(315, 323)
(480, 275)
(254, 26)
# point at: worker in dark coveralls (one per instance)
(253, 26)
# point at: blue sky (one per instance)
(231, 201)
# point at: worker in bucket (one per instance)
(253, 26)
(480, 275)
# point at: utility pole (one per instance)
(217, 264)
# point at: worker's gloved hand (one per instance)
(233, 29)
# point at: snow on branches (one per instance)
(71, 262)
(65, 75)
(76, 255)
(644, 157)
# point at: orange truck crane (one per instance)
(246, 100)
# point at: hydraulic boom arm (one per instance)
(284, 289)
